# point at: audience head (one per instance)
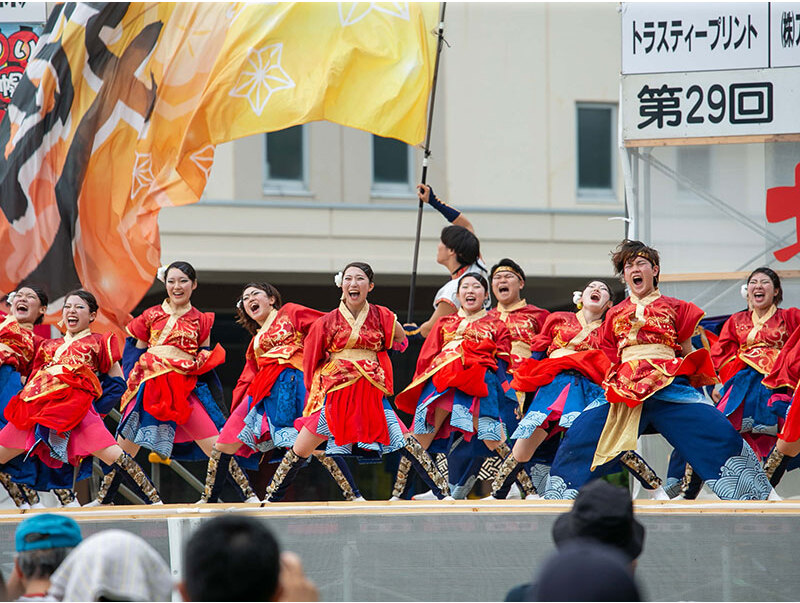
(604, 513)
(113, 565)
(585, 570)
(231, 558)
(42, 542)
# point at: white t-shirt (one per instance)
(449, 291)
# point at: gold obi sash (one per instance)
(647, 351)
(170, 352)
(354, 355)
(621, 431)
(521, 349)
(561, 352)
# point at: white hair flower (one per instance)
(743, 290)
(161, 274)
(338, 279)
(576, 297)
(10, 297)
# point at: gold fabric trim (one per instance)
(758, 323)
(521, 348)
(506, 310)
(647, 351)
(174, 315)
(355, 322)
(638, 321)
(7, 321)
(5, 348)
(561, 352)
(586, 330)
(265, 327)
(68, 339)
(170, 352)
(353, 355)
(620, 433)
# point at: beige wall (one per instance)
(503, 151)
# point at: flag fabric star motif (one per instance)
(263, 77)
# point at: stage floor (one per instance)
(474, 550)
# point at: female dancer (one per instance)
(53, 416)
(348, 376)
(457, 373)
(564, 382)
(270, 393)
(164, 406)
(748, 345)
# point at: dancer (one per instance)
(651, 387)
(564, 382)
(748, 345)
(53, 417)
(270, 393)
(459, 251)
(457, 374)
(524, 322)
(348, 375)
(165, 408)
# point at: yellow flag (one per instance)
(121, 106)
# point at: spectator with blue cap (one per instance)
(42, 541)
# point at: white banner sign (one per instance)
(23, 12)
(785, 40)
(684, 36)
(725, 103)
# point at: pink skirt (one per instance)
(90, 436)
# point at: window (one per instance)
(285, 169)
(596, 150)
(391, 167)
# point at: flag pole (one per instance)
(427, 153)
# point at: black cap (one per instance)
(605, 513)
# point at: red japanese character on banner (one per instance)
(783, 203)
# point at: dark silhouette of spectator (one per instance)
(603, 513)
(585, 570)
(42, 541)
(235, 558)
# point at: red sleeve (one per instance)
(541, 318)
(248, 374)
(206, 322)
(608, 341)
(316, 343)
(503, 341)
(792, 318)
(689, 317)
(431, 347)
(727, 345)
(139, 327)
(544, 338)
(110, 351)
(302, 318)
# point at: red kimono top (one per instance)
(747, 340)
(571, 344)
(786, 368)
(524, 322)
(277, 345)
(64, 381)
(17, 344)
(457, 353)
(341, 349)
(173, 346)
(643, 337)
